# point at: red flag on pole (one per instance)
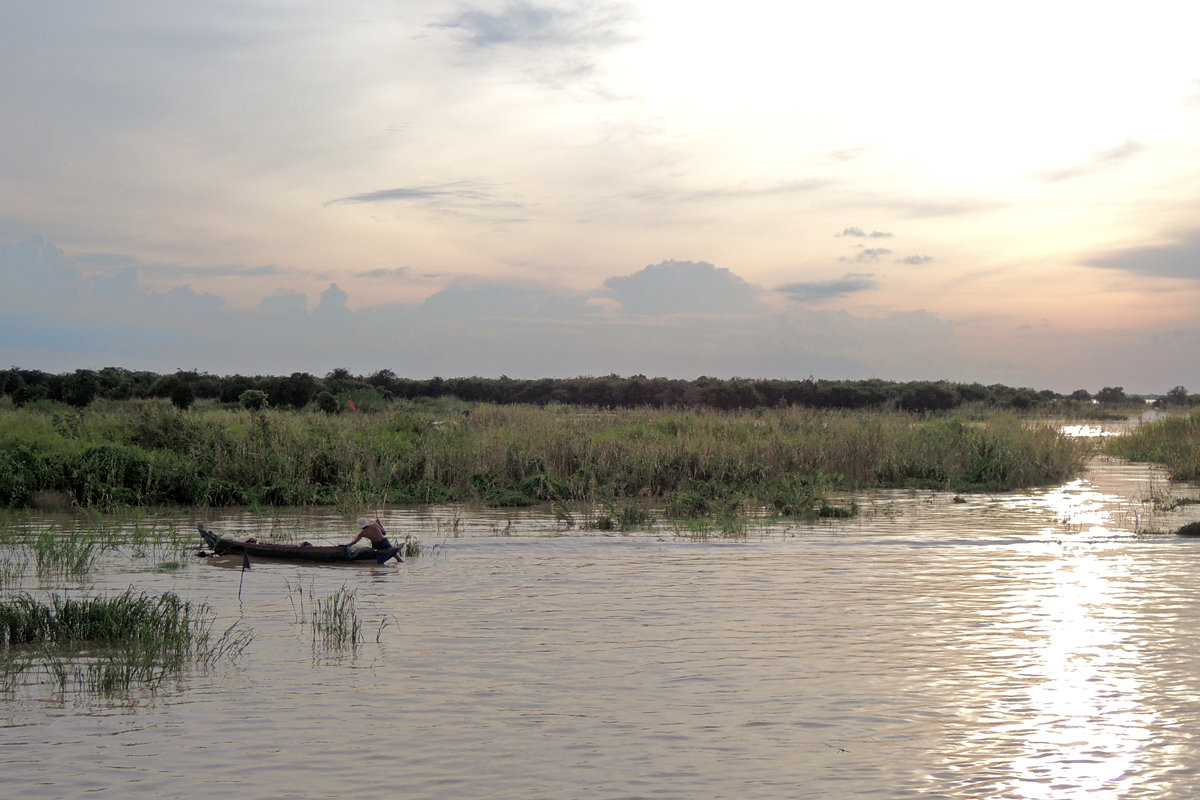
(352, 406)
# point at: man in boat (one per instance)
(374, 533)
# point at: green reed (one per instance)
(335, 620)
(11, 572)
(68, 554)
(1173, 441)
(143, 453)
(108, 645)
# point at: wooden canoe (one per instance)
(222, 545)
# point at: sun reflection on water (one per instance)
(1086, 720)
(1058, 702)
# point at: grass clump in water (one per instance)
(70, 555)
(108, 645)
(335, 621)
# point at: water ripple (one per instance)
(1034, 645)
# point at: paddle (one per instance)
(245, 566)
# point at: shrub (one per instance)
(253, 400)
(328, 403)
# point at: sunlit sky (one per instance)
(1004, 193)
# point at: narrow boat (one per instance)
(222, 545)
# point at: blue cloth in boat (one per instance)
(384, 550)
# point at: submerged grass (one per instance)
(65, 554)
(61, 546)
(334, 618)
(108, 645)
(335, 621)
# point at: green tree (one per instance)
(298, 389)
(80, 388)
(183, 395)
(27, 393)
(1112, 394)
(253, 399)
(328, 403)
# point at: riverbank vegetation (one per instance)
(698, 462)
(339, 391)
(1173, 441)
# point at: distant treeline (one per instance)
(336, 390)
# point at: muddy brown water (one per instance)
(1026, 645)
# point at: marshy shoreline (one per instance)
(693, 463)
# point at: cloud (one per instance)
(459, 191)
(36, 264)
(931, 208)
(724, 193)
(869, 254)
(547, 44)
(197, 303)
(496, 301)
(1105, 159)
(388, 273)
(914, 260)
(285, 301)
(813, 292)
(675, 319)
(97, 264)
(684, 287)
(861, 234)
(1179, 259)
(80, 318)
(531, 26)
(846, 155)
(333, 301)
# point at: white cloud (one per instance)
(1096, 162)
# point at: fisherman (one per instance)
(374, 533)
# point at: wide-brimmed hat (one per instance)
(362, 522)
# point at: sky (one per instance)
(1003, 193)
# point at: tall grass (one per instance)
(66, 554)
(11, 572)
(334, 618)
(335, 621)
(143, 453)
(1173, 442)
(109, 644)
(70, 547)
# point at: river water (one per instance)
(1029, 645)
